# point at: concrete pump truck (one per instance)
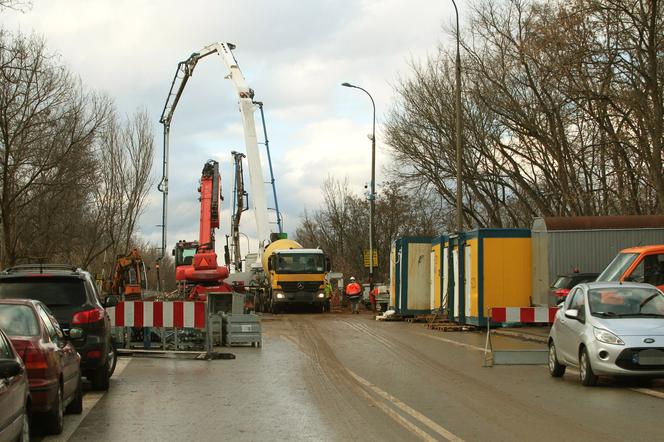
(260, 278)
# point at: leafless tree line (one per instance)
(563, 108)
(73, 175)
(341, 226)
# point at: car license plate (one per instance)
(651, 357)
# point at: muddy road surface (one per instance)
(341, 377)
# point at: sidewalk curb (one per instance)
(520, 335)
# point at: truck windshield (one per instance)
(617, 268)
(300, 263)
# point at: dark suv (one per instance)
(72, 297)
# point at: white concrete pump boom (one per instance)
(247, 108)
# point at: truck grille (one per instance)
(308, 286)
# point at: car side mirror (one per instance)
(75, 334)
(111, 301)
(9, 368)
(572, 314)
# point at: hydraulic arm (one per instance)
(247, 107)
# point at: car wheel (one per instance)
(54, 419)
(76, 405)
(555, 368)
(25, 431)
(101, 377)
(113, 360)
(586, 374)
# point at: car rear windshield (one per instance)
(563, 282)
(52, 291)
(18, 320)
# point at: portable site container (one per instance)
(586, 244)
(496, 271)
(410, 266)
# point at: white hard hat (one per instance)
(352, 278)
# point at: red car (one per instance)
(14, 394)
(52, 363)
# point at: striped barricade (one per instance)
(523, 315)
(175, 314)
(517, 315)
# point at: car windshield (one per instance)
(617, 267)
(52, 291)
(626, 302)
(300, 263)
(18, 320)
(563, 282)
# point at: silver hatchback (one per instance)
(609, 328)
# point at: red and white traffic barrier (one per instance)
(177, 314)
(524, 315)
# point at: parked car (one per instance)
(14, 394)
(52, 363)
(637, 264)
(564, 283)
(71, 295)
(608, 328)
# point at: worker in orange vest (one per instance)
(372, 298)
(354, 294)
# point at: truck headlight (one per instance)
(279, 295)
(607, 337)
(321, 295)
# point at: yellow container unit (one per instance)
(410, 266)
(497, 271)
(438, 273)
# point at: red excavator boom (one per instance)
(196, 262)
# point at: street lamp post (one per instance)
(372, 195)
(459, 128)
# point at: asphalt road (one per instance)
(341, 377)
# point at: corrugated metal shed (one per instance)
(560, 245)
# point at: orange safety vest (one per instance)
(353, 289)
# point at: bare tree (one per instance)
(562, 113)
(341, 226)
(47, 125)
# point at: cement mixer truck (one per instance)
(292, 276)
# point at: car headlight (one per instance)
(607, 337)
(279, 295)
(321, 295)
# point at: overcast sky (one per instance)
(294, 54)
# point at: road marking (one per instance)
(410, 411)
(453, 342)
(648, 391)
(90, 399)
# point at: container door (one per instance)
(446, 274)
(467, 284)
(432, 279)
(457, 297)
